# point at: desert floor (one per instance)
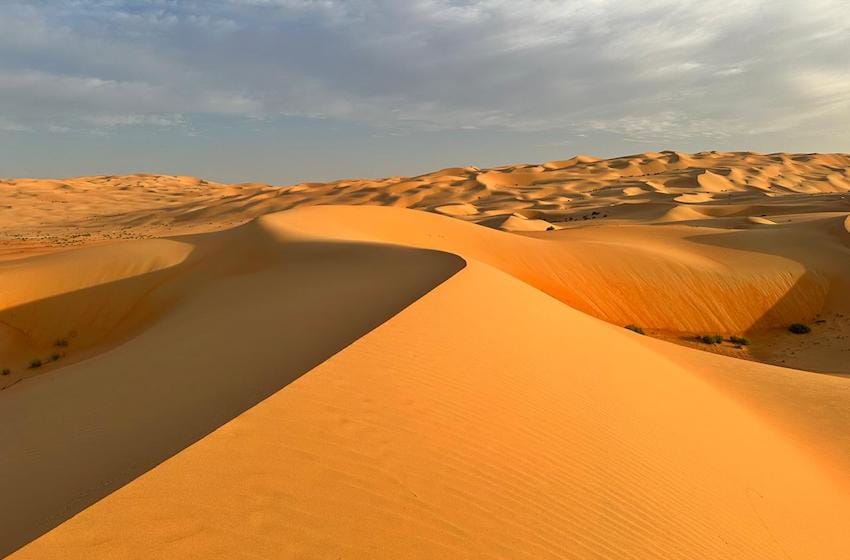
(432, 366)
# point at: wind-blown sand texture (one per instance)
(321, 371)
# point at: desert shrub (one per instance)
(799, 328)
(54, 357)
(710, 339)
(35, 363)
(6, 371)
(740, 340)
(635, 328)
(61, 343)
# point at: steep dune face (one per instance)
(487, 419)
(663, 278)
(51, 302)
(250, 316)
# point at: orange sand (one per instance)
(350, 379)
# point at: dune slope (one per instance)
(673, 279)
(246, 320)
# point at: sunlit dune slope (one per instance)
(664, 278)
(486, 419)
(246, 315)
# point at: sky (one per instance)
(283, 91)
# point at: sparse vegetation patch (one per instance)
(799, 328)
(635, 328)
(739, 340)
(710, 339)
(35, 363)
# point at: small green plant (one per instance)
(35, 363)
(635, 328)
(800, 328)
(710, 339)
(739, 340)
(61, 343)
(6, 371)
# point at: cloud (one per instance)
(163, 121)
(657, 69)
(11, 126)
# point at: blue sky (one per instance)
(289, 90)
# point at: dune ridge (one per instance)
(327, 370)
(51, 212)
(636, 273)
(528, 479)
(215, 350)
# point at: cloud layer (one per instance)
(655, 70)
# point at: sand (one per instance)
(327, 371)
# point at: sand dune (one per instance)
(639, 274)
(80, 297)
(321, 370)
(41, 214)
(224, 344)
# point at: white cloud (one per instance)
(659, 69)
(163, 121)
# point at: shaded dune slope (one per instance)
(80, 297)
(246, 315)
(667, 279)
(484, 420)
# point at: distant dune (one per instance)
(201, 370)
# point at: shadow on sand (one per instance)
(233, 335)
